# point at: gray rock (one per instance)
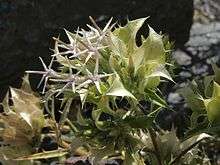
(182, 58)
(174, 98)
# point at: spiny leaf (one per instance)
(95, 115)
(151, 50)
(216, 90)
(117, 46)
(154, 49)
(117, 89)
(213, 110)
(193, 99)
(161, 71)
(128, 33)
(155, 98)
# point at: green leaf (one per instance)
(216, 90)
(151, 82)
(128, 33)
(117, 46)
(151, 50)
(117, 89)
(103, 107)
(154, 48)
(155, 98)
(160, 71)
(115, 64)
(213, 109)
(212, 104)
(193, 99)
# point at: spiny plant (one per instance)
(203, 98)
(105, 69)
(103, 81)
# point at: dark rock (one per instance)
(48, 144)
(27, 26)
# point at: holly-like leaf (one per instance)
(212, 104)
(213, 109)
(117, 46)
(155, 98)
(118, 89)
(128, 33)
(216, 90)
(160, 71)
(193, 99)
(151, 50)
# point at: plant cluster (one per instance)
(109, 92)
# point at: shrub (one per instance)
(103, 81)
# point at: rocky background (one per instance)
(194, 59)
(202, 49)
